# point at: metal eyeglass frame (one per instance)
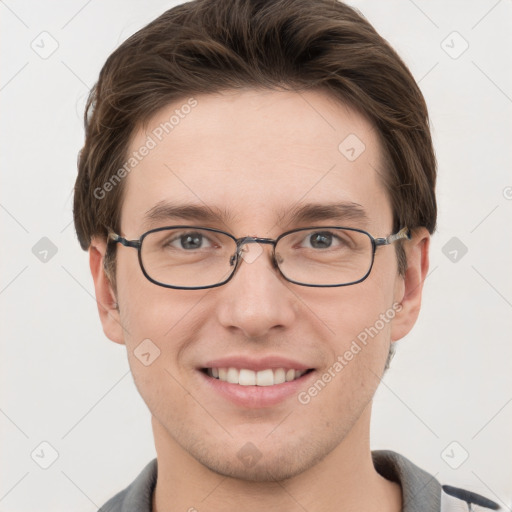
(404, 233)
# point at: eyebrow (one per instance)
(302, 213)
(312, 212)
(165, 211)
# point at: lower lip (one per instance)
(254, 397)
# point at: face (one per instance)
(255, 156)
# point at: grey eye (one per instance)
(191, 241)
(321, 240)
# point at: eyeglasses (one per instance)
(193, 258)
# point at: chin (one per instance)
(260, 472)
(267, 465)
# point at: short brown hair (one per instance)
(206, 46)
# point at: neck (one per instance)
(345, 480)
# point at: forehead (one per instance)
(249, 157)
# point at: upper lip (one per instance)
(256, 364)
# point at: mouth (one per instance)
(255, 382)
(247, 377)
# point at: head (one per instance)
(251, 110)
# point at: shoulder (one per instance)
(137, 497)
(422, 492)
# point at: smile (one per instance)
(246, 377)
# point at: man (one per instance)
(256, 193)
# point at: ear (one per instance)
(105, 296)
(409, 287)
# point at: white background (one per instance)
(64, 383)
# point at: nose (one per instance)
(257, 299)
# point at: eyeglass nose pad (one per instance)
(277, 259)
(237, 255)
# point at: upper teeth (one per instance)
(246, 377)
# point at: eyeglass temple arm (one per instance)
(127, 243)
(403, 233)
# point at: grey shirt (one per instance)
(421, 492)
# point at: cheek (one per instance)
(358, 351)
(350, 311)
(159, 324)
(159, 330)
(147, 311)
(359, 320)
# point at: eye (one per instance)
(189, 241)
(323, 240)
